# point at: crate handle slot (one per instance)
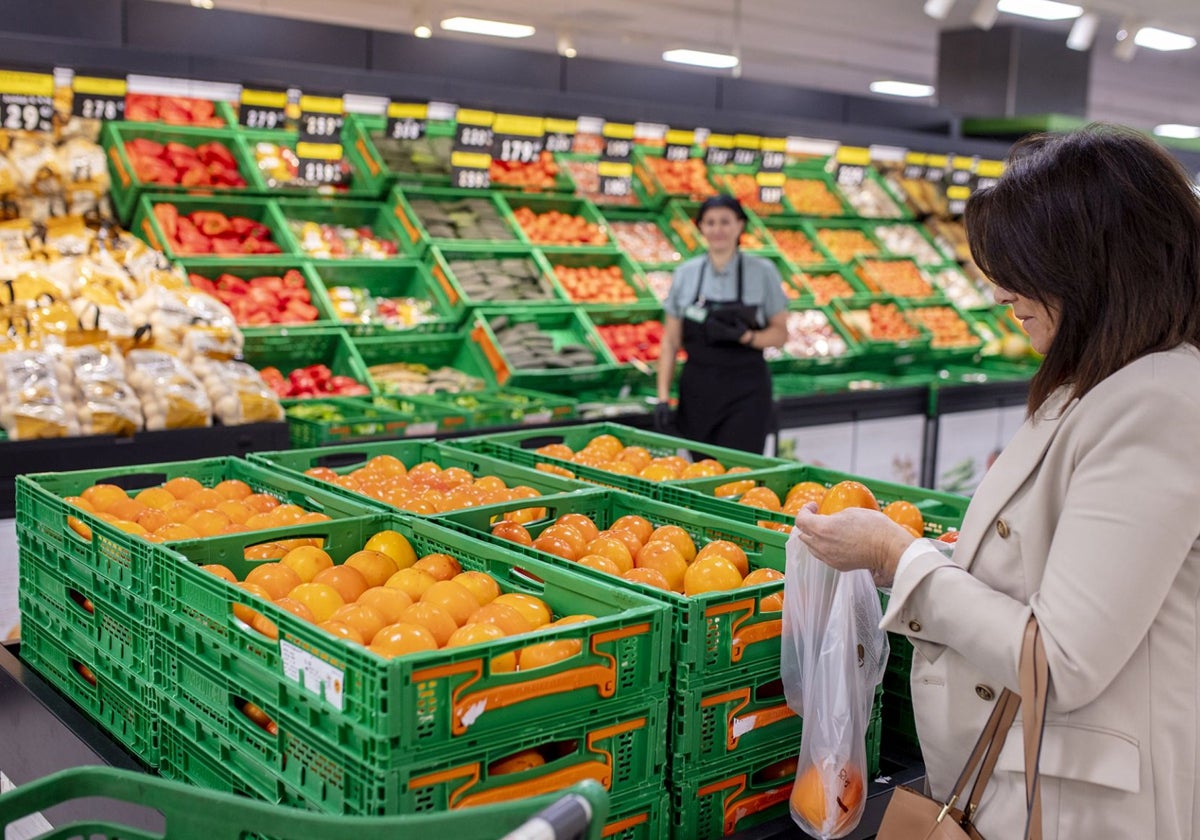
(341, 459)
(84, 673)
(135, 481)
(82, 601)
(255, 714)
(521, 576)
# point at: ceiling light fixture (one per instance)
(1126, 46)
(566, 47)
(700, 58)
(1041, 9)
(939, 9)
(1178, 131)
(985, 14)
(423, 30)
(891, 87)
(483, 26)
(203, 4)
(1153, 38)
(1083, 32)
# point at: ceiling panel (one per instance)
(836, 45)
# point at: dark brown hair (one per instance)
(1102, 226)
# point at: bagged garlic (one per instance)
(105, 403)
(32, 403)
(237, 392)
(170, 394)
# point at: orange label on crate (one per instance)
(754, 634)
(499, 365)
(150, 237)
(736, 809)
(621, 826)
(439, 274)
(115, 155)
(407, 224)
(361, 145)
(461, 797)
(736, 726)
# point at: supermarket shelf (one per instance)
(84, 453)
(848, 406)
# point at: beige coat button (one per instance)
(985, 693)
(1002, 529)
(914, 626)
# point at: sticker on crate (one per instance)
(312, 673)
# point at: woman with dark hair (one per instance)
(724, 308)
(1089, 520)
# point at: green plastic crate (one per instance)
(222, 110)
(617, 215)
(532, 408)
(904, 213)
(193, 814)
(441, 258)
(122, 559)
(794, 175)
(859, 294)
(942, 511)
(123, 705)
(418, 236)
(360, 134)
(127, 187)
(109, 617)
(565, 325)
(387, 709)
(802, 226)
(214, 268)
(357, 186)
(720, 722)
(645, 174)
(846, 255)
(393, 279)
(519, 447)
(960, 353)
(640, 815)
(563, 204)
(587, 186)
(725, 178)
(940, 255)
(876, 351)
(347, 458)
(715, 633)
(288, 349)
(342, 211)
(642, 372)
(146, 226)
(785, 363)
(618, 752)
(573, 258)
(359, 420)
(457, 350)
(430, 414)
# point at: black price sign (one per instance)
(262, 108)
(914, 166)
(770, 177)
(956, 198)
(745, 149)
(319, 163)
(98, 97)
(852, 163)
(616, 172)
(518, 139)
(719, 149)
(26, 101)
(962, 172)
(321, 118)
(471, 158)
(987, 172)
(679, 145)
(560, 135)
(774, 153)
(406, 120)
(935, 168)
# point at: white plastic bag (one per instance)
(833, 656)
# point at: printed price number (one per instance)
(678, 145)
(264, 109)
(956, 199)
(770, 195)
(519, 149)
(744, 157)
(616, 186)
(935, 168)
(406, 129)
(618, 148)
(473, 137)
(851, 176)
(559, 143)
(715, 156)
(98, 98)
(321, 125)
(772, 161)
(20, 114)
(472, 179)
(265, 118)
(321, 171)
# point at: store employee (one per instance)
(723, 309)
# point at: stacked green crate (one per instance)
(214, 269)
(272, 158)
(533, 206)
(289, 350)
(584, 174)
(385, 161)
(410, 366)
(385, 297)
(633, 336)
(263, 213)
(321, 228)
(647, 237)
(553, 349)
(352, 731)
(320, 422)
(495, 275)
(568, 263)
(688, 179)
(128, 185)
(452, 217)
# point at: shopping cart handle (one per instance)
(565, 819)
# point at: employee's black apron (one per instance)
(725, 388)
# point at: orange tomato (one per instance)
(364, 619)
(664, 557)
(220, 571)
(556, 546)
(631, 540)
(516, 763)
(402, 638)
(375, 566)
(612, 549)
(547, 653)
(480, 584)
(307, 561)
(433, 618)
(454, 598)
(348, 581)
(847, 494)
(600, 564)
(181, 487)
(276, 578)
(649, 577)
(712, 574)
(761, 497)
(677, 537)
(907, 514)
(512, 532)
(730, 551)
(438, 566)
(583, 524)
(388, 601)
(321, 599)
(571, 536)
(762, 576)
(412, 582)
(504, 616)
(533, 609)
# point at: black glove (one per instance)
(662, 417)
(719, 330)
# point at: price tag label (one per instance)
(262, 108)
(471, 158)
(962, 171)
(560, 135)
(774, 153)
(914, 166)
(321, 118)
(745, 149)
(770, 186)
(26, 101)
(616, 172)
(935, 167)
(98, 97)
(719, 149)
(852, 163)
(319, 163)
(987, 172)
(518, 139)
(956, 198)
(407, 120)
(679, 144)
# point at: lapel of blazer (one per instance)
(1015, 464)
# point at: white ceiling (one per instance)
(838, 45)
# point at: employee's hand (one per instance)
(717, 331)
(662, 417)
(854, 538)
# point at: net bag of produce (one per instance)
(833, 655)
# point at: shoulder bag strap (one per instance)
(1008, 704)
(1035, 692)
